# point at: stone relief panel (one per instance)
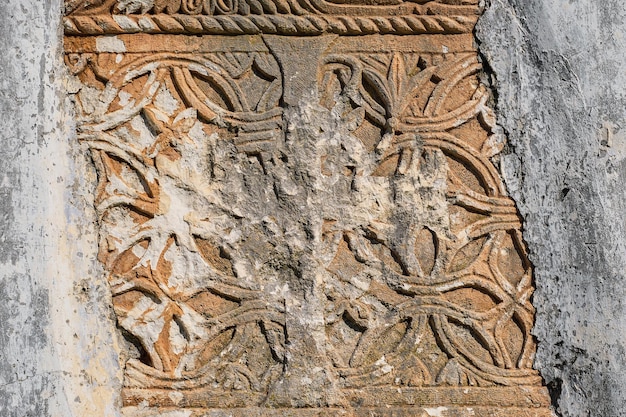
(297, 221)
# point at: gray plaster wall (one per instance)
(57, 355)
(559, 69)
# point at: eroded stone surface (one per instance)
(304, 224)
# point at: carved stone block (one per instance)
(300, 208)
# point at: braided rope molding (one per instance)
(270, 24)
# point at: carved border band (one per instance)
(282, 17)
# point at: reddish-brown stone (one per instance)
(306, 218)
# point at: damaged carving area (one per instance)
(312, 225)
(171, 220)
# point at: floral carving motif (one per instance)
(454, 288)
(245, 7)
(174, 285)
(310, 223)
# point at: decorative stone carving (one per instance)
(311, 225)
(287, 17)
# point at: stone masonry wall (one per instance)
(557, 69)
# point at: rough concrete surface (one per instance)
(55, 333)
(559, 73)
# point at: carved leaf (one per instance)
(397, 82)
(512, 261)
(512, 339)
(413, 373)
(236, 377)
(471, 299)
(211, 305)
(426, 250)
(454, 374)
(466, 256)
(123, 184)
(376, 343)
(214, 256)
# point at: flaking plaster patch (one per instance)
(436, 412)
(110, 44)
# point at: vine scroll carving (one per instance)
(306, 218)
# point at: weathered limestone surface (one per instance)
(300, 210)
(56, 346)
(559, 70)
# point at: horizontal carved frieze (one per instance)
(284, 17)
